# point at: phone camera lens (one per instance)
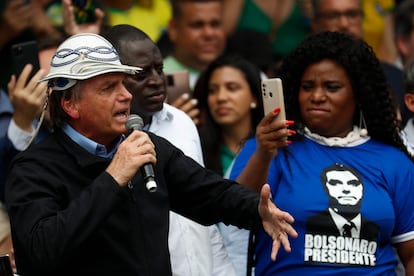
(17, 50)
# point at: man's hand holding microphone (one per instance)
(136, 152)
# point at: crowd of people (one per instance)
(238, 192)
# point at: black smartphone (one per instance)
(25, 53)
(84, 11)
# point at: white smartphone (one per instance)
(272, 95)
(178, 83)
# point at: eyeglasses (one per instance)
(352, 16)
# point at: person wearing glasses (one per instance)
(339, 16)
(368, 19)
(346, 16)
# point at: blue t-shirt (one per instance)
(383, 216)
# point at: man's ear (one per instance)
(70, 107)
(402, 46)
(409, 101)
(172, 30)
(314, 24)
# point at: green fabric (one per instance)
(226, 158)
(290, 33)
(171, 64)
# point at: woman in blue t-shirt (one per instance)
(343, 173)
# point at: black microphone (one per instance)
(135, 122)
(5, 266)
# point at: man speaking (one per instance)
(77, 200)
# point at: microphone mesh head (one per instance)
(134, 122)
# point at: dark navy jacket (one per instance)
(70, 217)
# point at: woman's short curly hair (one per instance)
(368, 80)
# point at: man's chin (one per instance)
(155, 107)
(150, 110)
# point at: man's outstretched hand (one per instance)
(275, 222)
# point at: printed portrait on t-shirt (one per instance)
(340, 234)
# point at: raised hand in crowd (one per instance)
(40, 22)
(72, 27)
(27, 97)
(189, 105)
(16, 18)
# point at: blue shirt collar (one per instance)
(89, 145)
(5, 104)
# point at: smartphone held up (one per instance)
(25, 53)
(84, 11)
(272, 95)
(178, 83)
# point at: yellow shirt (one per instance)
(373, 24)
(152, 21)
